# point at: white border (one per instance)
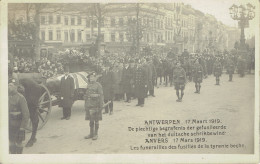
(112, 158)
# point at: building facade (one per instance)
(160, 25)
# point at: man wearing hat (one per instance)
(67, 93)
(179, 79)
(197, 75)
(107, 81)
(217, 70)
(140, 83)
(127, 80)
(18, 118)
(94, 100)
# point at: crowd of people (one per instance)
(123, 77)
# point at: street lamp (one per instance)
(242, 14)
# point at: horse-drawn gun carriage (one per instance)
(49, 92)
(42, 94)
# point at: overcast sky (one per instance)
(220, 9)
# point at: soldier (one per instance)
(241, 66)
(67, 94)
(179, 79)
(93, 105)
(107, 81)
(217, 70)
(197, 75)
(18, 119)
(230, 68)
(140, 83)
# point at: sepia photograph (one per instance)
(131, 78)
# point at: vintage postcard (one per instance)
(129, 81)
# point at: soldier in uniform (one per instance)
(217, 70)
(18, 119)
(230, 68)
(67, 93)
(179, 79)
(140, 83)
(94, 100)
(197, 75)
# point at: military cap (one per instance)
(91, 73)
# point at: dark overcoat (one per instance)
(117, 73)
(107, 81)
(140, 82)
(230, 67)
(67, 91)
(127, 79)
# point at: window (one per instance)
(66, 21)
(87, 37)
(58, 35)
(43, 35)
(66, 36)
(113, 38)
(87, 23)
(94, 23)
(79, 36)
(72, 36)
(121, 37)
(102, 23)
(79, 20)
(50, 19)
(121, 22)
(43, 20)
(58, 19)
(50, 35)
(72, 21)
(113, 22)
(102, 37)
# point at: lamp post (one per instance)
(242, 14)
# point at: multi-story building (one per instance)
(160, 25)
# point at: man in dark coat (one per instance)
(151, 77)
(179, 79)
(127, 80)
(140, 83)
(217, 70)
(197, 73)
(67, 94)
(230, 68)
(108, 81)
(94, 100)
(241, 66)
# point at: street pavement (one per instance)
(231, 102)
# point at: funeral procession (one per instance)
(86, 78)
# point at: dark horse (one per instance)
(32, 91)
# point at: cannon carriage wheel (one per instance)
(44, 109)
